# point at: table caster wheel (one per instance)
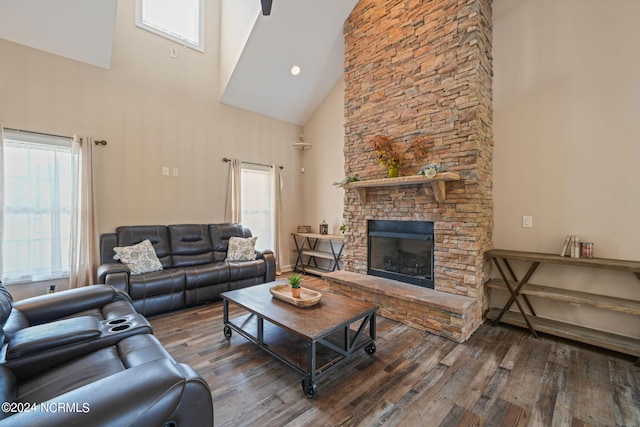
(227, 332)
(309, 388)
(370, 348)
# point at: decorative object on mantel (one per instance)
(392, 159)
(324, 227)
(304, 229)
(437, 184)
(346, 180)
(431, 169)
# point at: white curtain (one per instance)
(279, 184)
(233, 209)
(84, 247)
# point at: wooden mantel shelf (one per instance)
(437, 184)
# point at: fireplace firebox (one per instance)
(401, 250)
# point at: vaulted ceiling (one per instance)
(257, 52)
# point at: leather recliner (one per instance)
(85, 357)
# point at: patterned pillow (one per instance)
(140, 258)
(241, 249)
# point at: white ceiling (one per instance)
(77, 29)
(307, 33)
(303, 32)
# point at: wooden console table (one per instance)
(308, 252)
(522, 288)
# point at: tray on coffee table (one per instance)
(308, 297)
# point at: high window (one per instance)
(36, 214)
(179, 20)
(258, 203)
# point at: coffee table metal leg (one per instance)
(260, 331)
(227, 328)
(309, 382)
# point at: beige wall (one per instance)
(566, 104)
(324, 163)
(154, 111)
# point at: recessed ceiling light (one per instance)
(295, 70)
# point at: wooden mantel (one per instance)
(437, 184)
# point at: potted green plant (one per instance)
(295, 280)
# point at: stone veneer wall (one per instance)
(423, 68)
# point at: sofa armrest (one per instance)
(39, 338)
(151, 394)
(45, 308)
(115, 274)
(270, 260)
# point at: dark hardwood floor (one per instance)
(501, 376)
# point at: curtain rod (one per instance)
(98, 142)
(226, 160)
(37, 133)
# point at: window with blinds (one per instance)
(258, 203)
(37, 183)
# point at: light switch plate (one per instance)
(527, 221)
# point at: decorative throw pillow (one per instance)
(241, 249)
(140, 258)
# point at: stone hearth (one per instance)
(422, 69)
(440, 313)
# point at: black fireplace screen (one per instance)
(401, 250)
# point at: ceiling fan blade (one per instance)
(266, 7)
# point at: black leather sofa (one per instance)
(85, 357)
(194, 270)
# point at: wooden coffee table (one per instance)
(311, 340)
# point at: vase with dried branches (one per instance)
(391, 158)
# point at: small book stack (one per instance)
(571, 246)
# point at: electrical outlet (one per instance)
(165, 171)
(527, 221)
(175, 172)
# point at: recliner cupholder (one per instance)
(116, 321)
(119, 328)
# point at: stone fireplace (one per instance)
(422, 68)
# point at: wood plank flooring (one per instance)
(501, 376)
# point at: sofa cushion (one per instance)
(206, 274)
(246, 269)
(190, 245)
(241, 249)
(129, 352)
(158, 235)
(139, 258)
(156, 283)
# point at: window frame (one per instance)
(268, 170)
(57, 143)
(140, 23)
